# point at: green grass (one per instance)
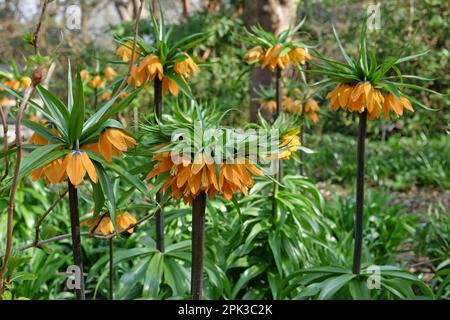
(397, 163)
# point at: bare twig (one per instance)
(45, 214)
(9, 223)
(5, 139)
(133, 50)
(35, 42)
(23, 106)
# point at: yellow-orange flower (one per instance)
(311, 108)
(170, 85)
(255, 54)
(76, 164)
(396, 105)
(96, 82)
(125, 51)
(357, 98)
(12, 84)
(101, 224)
(110, 73)
(5, 102)
(186, 67)
(292, 106)
(273, 58)
(152, 66)
(25, 82)
(91, 147)
(269, 105)
(104, 225)
(125, 220)
(300, 55)
(53, 171)
(290, 143)
(188, 178)
(106, 95)
(236, 176)
(137, 77)
(84, 74)
(113, 142)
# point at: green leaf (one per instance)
(69, 87)
(344, 53)
(245, 277)
(176, 277)
(411, 57)
(56, 106)
(108, 190)
(99, 198)
(358, 289)
(106, 112)
(134, 181)
(153, 276)
(332, 285)
(42, 131)
(77, 112)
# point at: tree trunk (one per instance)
(274, 16)
(186, 9)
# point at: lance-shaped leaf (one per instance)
(77, 112)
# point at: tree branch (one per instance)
(5, 141)
(38, 28)
(133, 50)
(45, 214)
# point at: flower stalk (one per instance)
(302, 154)
(111, 268)
(359, 218)
(76, 239)
(198, 245)
(278, 167)
(159, 216)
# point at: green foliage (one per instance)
(397, 163)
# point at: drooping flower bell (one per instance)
(290, 143)
(256, 54)
(396, 105)
(54, 172)
(188, 178)
(76, 164)
(110, 73)
(104, 225)
(357, 99)
(152, 66)
(113, 142)
(97, 82)
(311, 107)
(170, 85)
(186, 67)
(125, 51)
